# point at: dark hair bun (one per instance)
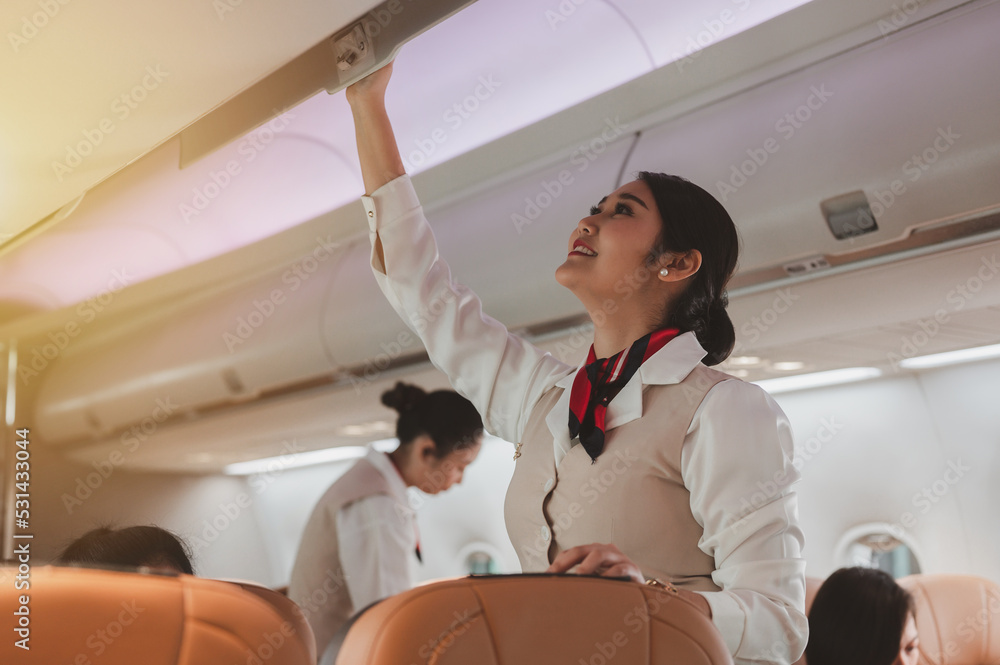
(720, 336)
(450, 420)
(403, 397)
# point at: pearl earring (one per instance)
(664, 272)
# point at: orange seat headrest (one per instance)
(958, 618)
(516, 619)
(83, 616)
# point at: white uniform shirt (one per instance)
(757, 548)
(357, 547)
(376, 548)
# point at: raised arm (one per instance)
(501, 374)
(380, 160)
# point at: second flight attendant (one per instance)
(362, 535)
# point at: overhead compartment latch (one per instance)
(353, 49)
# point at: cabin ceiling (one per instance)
(69, 71)
(91, 87)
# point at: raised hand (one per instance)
(371, 87)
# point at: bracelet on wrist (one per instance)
(666, 586)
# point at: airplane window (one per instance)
(481, 563)
(877, 547)
(481, 559)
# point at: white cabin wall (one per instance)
(894, 438)
(963, 401)
(184, 504)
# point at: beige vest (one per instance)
(318, 584)
(633, 496)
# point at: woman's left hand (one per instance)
(596, 559)
(609, 561)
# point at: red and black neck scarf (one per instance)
(599, 380)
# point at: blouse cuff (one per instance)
(728, 616)
(390, 202)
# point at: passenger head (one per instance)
(658, 221)
(133, 546)
(440, 433)
(862, 617)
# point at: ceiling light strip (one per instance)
(952, 357)
(818, 379)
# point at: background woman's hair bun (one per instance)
(403, 397)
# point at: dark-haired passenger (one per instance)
(133, 547)
(643, 461)
(361, 540)
(860, 616)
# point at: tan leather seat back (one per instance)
(517, 619)
(80, 615)
(958, 618)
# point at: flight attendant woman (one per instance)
(361, 542)
(643, 462)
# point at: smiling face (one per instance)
(612, 246)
